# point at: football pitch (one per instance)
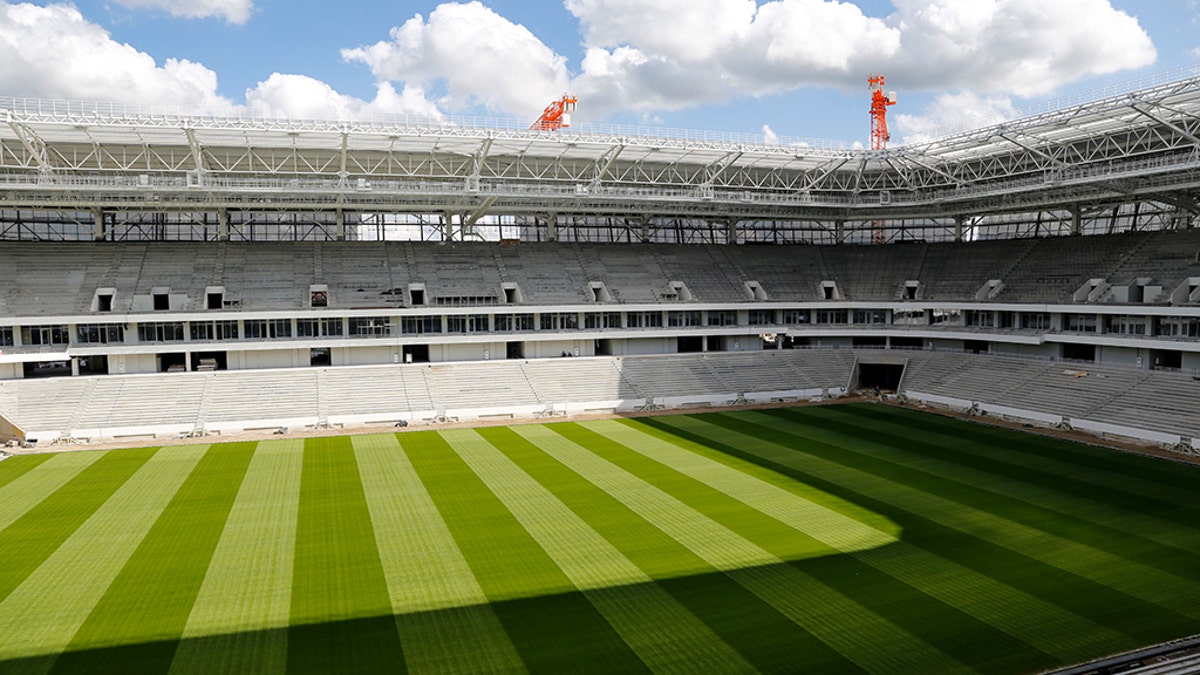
(826, 539)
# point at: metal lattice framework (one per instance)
(106, 169)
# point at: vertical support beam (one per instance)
(552, 227)
(731, 231)
(645, 222)
(340, 224)
(98, 229)
(839, 231)
(222, 225)
(1076, 220)
(959, 227)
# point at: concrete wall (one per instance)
(364, 356)
(11, 371)
(734, 343)
(273, 358)
(467, 352)
(1041, 351)
(551, 348)
(640, 346)
(1191, 361)
(133, 364)
(1122, 356)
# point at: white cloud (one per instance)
(769, 135)
(52, 52)
(950, 113)
(1021, 47)
(302, 96)
(482, 58)
(233, 11)
(646, 56)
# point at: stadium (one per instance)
(170, 277)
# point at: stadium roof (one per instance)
(1144, 144)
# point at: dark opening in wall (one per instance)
(1079, 352)
(886, 376)
(690, 343)
(162, 302)
(976, 346)
(215, 301)
(418, 296)
(104, 302)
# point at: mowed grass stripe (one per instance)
(1163, 480)
(1143, 529)
(73, 489)
(554, 628)
(805, 514)
(768, 640)
(44, 612)
(1007, 455)
(238, 623)
(978, 595)
(664, 634)
(811, 462)
(778, 438)
(442, 614)
(1126, 554)
(859, 634)
(137, 622)
(17, 466)
(341, 616)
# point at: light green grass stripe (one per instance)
(1165, 590)
(24, 493)
(1023, 616)
(665, 635)
(872, 642)
(808, 516)
(445, 623)
(56, 599)
(237, 621)
(1096, 510)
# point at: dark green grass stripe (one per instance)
(15, 467)
(139, 619)
(962, 636)
(876, 448)
(1003, 456)
(1144, 622)
(554, 627)
(341, 613)
(766, 532)
(763, 636)
(1092, 457)
(33, 537)
(1107, 505)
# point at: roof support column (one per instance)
(959, 223)
(644, 221)
(98, 229)
(1076, 220)
(839, 231)
(222, 225)
(552, 227)
(731, 231)
(340, 224)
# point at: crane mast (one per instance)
(879, 134)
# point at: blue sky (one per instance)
(792, 68)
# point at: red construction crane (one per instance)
(879, 135)
(557, 115)
(879, 105)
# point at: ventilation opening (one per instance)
(680, 291)
(512, 294)
(599, 292)
(829, 291)
(104, 302)
(910, 289)
(416, 294)
(318, 296)
(214, 297)
(756, 290)
(162, 301)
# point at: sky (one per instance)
(782, 69)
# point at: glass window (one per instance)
(370, 325)
(1035, 321)
(722, 318)
(762, 317)
(467, 323)
(214, 330)
(169, 331)
(645, 319)
(560, 321)
(100, 333)
(6, 336)
(832, 316)
(684, 319)
(602, 320)
(45, 335)
(419, 325)
(322, 327)
(511, 323)
(268, 329)
(795, 316)
(870, 316)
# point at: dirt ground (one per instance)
(1126, 445)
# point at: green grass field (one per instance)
(827, 539)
